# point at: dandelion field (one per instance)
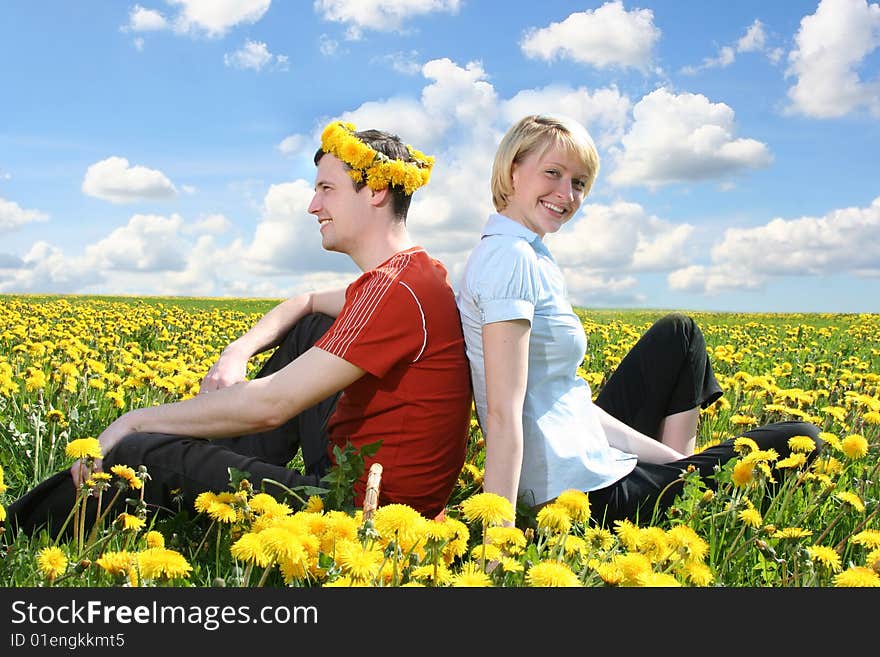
(70, 365)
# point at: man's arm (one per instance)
(268, 332)
(247, 407)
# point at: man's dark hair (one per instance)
(394, 148)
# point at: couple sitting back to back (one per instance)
(397, 357)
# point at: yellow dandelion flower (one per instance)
(852, 499)
(610, 573)
(222, 512)
(84, 448)
(314, 504)
(493, 553)
(857, 576)
(162, 563)
(52, 562)
(793, 461)
(827, 556)
(872, 417)
(510, 539)
(204, 501)
(792, 532)
(854, 446)
(801, 444)
(54, 415)
(130, 522)
(745, 445)
(471, 575)
(751, 517)
(400, 523)
(869, 538)
(510, 565)
(554, 518)
(488, 508)
(628, 533)
(743, 473)
(439, 576)
(361, 564)
(128, 475)
(685, 540)
(2, 513)
(154, 539)
(577, 502)
(658, 580)
(831, 439)
(633, 565)
(551, 573)
(599, 538)
(249, 548)
(698, 574)
(117, 564)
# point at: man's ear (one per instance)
(380, 197)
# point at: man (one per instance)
(382, 360)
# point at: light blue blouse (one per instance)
(511, 275)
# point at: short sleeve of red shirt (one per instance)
(375, 329)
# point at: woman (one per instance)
(542, 430)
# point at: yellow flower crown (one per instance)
(367, 164)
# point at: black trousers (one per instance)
(181, 468)
(668, 371)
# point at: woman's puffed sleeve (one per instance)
(504, 280)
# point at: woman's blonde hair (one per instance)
(540, 131)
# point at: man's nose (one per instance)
(315, 205)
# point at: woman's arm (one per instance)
(627, 439)
(268, 332)
(506, 361)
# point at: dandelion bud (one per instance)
(82, 565)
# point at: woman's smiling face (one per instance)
(548, 188)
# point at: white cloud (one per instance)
(327, 46)
(619, 237)
(682, 138)
(291, 144)
(843, 241)
(13, 216)
(141, 19)
(216, 17)
(754, 40)
(585, 289)
(379, 15)
(831, 46)
(45, 269)
(606, 108)
(254, 55)
(116, 181)
(147, 243)
(402, 62)
(287, 239)
(606, 37)
(214, 224)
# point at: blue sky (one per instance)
(164, 148)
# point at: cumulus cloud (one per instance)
(845, 240)
(620, 237)
(115, 180)
(606, 37)
(832, 44)
(287, 239)
(683, 138)
(754, 40)
(147, 243)
(402, 62)
(13, 216)
(216, 17)
(379, 15)
(141, 19)
(255, 55)
(45, 269)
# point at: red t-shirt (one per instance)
(401, 325)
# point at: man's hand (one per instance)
(230, 368)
